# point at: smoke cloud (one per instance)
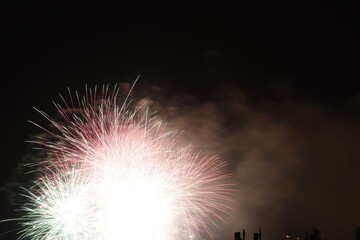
(295, 161)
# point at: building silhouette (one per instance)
(237, 235)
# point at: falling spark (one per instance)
(112, 173)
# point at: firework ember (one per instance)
(115, 173)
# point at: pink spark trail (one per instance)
(115, 173)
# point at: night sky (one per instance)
(272, 89)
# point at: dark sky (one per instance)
(273, 87)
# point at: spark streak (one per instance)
(112, 173)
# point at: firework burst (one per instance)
(112, 173)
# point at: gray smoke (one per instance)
(295, 161)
